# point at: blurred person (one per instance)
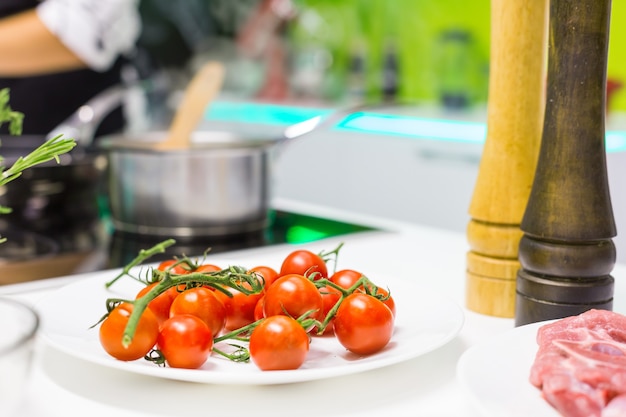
(57, 54)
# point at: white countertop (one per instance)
(64, 386)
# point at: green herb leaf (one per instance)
(7, 115)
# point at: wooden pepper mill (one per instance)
(566, 252)
(514, 124)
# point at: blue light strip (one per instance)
(371, 123)
(415, 127)
(261, 113)
(615, 141)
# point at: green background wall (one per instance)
(617, 53)
(427, 62)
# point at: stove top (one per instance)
(29, 255)
(284, 227)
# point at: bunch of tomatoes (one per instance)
(268, 315)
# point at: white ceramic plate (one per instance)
(425, 321)
(495, 375)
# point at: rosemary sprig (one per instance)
(51, 149)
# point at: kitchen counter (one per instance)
(62, 385)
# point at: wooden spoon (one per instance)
(200, 91)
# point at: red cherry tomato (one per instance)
(345, 278)
(202, 303)
(268, 274)
(292, 295)
(389, 302)
(112, 330)
(258, 309)
(363, 324)
(207, 268)
(304, 262)
(161, 304)
(239, 307)
(180, 269)
(185, 341)
(279, 343)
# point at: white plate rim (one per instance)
(509, 370)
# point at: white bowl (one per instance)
(18, 326)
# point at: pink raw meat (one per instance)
(580, 366)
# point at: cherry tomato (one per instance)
(258, 309)
(345, 278)
(292, 295)
(363, 324)
(166, 264)
(180, 269)
(112, 330)
(389, 302)
(268, 274)
(185, 341)
(202, 303)
(304, 262)
(239, 308)
(279, 343)
(161, 304)
(207, 268)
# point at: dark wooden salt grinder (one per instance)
(566, 252)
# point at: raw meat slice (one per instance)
(616, 407)
(580, 365)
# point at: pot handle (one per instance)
(321, 122)
(84, 122)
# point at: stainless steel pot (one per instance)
(220, 186)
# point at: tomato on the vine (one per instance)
(304, 262)
(112, 330)
(258, 309)
(268, 274)
(279, 343)
(185, 341)
(168, 265)
(389, 301)
(363, 324)
(239, 307)
(207, 268)
(330, 297)
(180, 324)
(202, 303)
(346, 278)
(292, 295)
(160, 305)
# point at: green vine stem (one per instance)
(235, 277)
(331, 255)
(241, 354)
(143, 255)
